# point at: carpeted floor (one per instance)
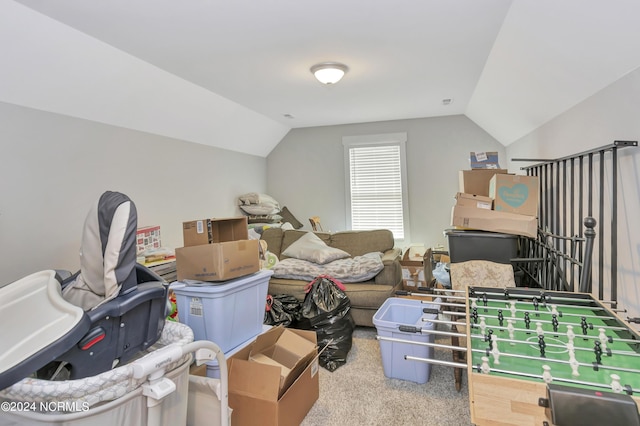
(358, 393)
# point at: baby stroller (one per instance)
(95, 347)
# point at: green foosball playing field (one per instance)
(564, 338)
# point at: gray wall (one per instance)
(612, 114)
(55, 167)
(305, 171)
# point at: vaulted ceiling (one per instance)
(235, 74)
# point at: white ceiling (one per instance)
(225, 73)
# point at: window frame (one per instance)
(382, 139)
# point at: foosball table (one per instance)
(542, 357)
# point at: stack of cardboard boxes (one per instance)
(493, 200)
(217, 250)
(273, 379)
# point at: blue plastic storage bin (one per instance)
(393, 313)
(227, 313)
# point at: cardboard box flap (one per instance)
(242, 379)
(287, 349)
(265, 340)
(269, 338)
(291, 343)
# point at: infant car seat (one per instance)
(123, 304)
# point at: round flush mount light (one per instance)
(329, 72)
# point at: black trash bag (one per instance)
(282, 309)
(326, 309)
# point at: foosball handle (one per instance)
(635, 320)
(409, 329)
(430, 311)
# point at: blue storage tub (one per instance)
(396, 312)
(213, 369)
(227, 313)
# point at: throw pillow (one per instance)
(311, 248)
(288, 217)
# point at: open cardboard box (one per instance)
(216, 230)
(261, 391)
(476, 181)
(416, 270)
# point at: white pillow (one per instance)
(311, 248)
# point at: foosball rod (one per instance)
(440, 303)
(436, 361)
(550, 345)
(534, 320)
(559, 361)
(560, 314)
(549, 301)
(414, 329)
(428, 344)
(437, 321)
(555, 379)
(441, 290)
(544, 302)
(543, 296)
(407, 293)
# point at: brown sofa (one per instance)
(366, 297)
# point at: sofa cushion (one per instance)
(357, 243)
(311, 248)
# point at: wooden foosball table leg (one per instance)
(457, 357)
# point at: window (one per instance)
(376, 182)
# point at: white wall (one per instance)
(306, 170)
(611, 114)
(55, 167)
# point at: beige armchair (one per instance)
(475, 273)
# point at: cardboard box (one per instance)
(288, 351)
(209, 231)
(147, 238)
(484, 160)
(472, 200)
(476, 181)
(219, 261)
(254, 387)
(514, 194)
(491, 220)
(416, 270)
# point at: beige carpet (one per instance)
(358, 393)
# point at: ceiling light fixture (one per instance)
(329, 72)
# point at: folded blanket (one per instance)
(253, 203)
(348, 270)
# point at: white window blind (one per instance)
(376, 185)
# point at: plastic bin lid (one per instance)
(192, 287)
(476, 233)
